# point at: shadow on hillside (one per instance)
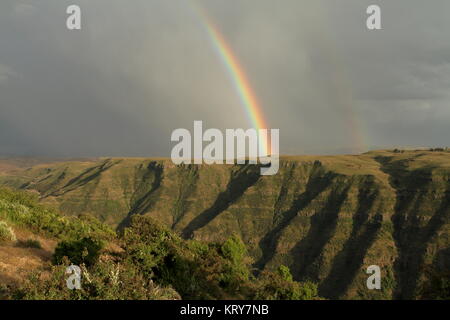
(187, 177)
(323, 225)
(412, 233)
(84, 178)
(350, 259)
(318, 182)
(143, 204)
(414, 241)
(240, 181)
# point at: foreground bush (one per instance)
(23, 209)
(165, 258)
(280, 286)
(84, 251)
(6, 233)
(236, 269)
(205, 270)
(146, 261)
(104, 281)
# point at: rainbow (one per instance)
(248, 98)
(237, 75)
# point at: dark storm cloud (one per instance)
(137, 70)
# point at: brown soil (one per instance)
(16, 262)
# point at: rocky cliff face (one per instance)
(327, 218)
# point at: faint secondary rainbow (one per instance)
(237, 74)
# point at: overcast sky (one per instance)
(140, 69)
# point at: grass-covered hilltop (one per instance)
(147, 229)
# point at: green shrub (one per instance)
(155, 263)
(104, 281)
(234, 249)
(285, 273)
(280, 286)
(192, 268)
(148, 243)
(6, 233)
(23, 209)
(85, 251)
(235, 269)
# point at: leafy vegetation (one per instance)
(145, 261)
(6, 233)
(23, 209)
(194, 269)
(103, 281)
(280, 286)
(84, 251)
